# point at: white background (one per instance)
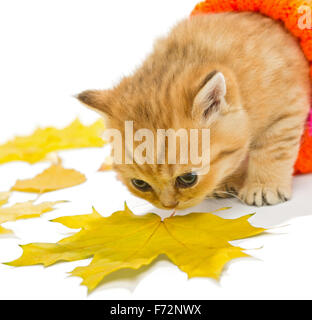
(51, 50)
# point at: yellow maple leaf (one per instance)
(37, 146)
(197, 243)
(54, 178)
(25, 210)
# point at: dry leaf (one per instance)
(197, 243)
(4, 231)
(4, 198)
(107, 164)
(37, 146)
(25, 210)
(54, 178)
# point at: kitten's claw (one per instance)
(264, 194)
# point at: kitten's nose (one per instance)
(168, 198)
(170, 205)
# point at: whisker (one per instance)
(173, 213)
(232, 195)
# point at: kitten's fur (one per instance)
(256, 123)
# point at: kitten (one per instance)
(243, 76)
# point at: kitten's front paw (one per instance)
(256, 194)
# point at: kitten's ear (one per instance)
(210, 97)
(97, 100)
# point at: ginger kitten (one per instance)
(239, 74)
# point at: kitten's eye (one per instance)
(187, 180)
(141, 185)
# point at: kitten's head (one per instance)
(195, 98)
